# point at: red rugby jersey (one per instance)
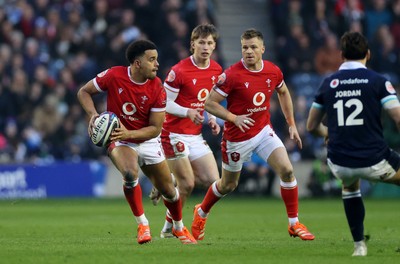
(248, 92)
(193, 85)
(132, 102)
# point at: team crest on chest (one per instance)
(213, 80)
(268, 81)
(194, 81)
(246, 84)
(144, 99)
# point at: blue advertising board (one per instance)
(58, 179)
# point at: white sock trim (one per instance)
(288, 184)
(349, 195)
(215, 190)
(176, 197)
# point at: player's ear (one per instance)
(368, 55)
(136, 63)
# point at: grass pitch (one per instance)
(251, 230)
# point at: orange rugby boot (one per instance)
(198, 224)
(143, 234)
(184, 236)
(301, 231)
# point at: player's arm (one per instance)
(180, 111)
(285, 101)
(156, 120)
(84, 95)
(314, 122)
(394, 113)
(212, 122)
(214, 107)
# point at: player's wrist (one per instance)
(290, 121)
(231, 117)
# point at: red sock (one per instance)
(290, 198)
(133, 196)
(210, 199)
(175, 209)
(168, 217)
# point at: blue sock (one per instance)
(355, 213)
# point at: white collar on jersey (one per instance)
(351, 65)
(244, 65)
(130, 77)
(201, 68)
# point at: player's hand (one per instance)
(91, 124)
(195, 115)
(120, 133)
(244, 122)
(295, 135)
(326, 140)
(215, 128)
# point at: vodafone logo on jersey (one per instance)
(203, 94)
(128, 108)
(258, 99)
(334, 83)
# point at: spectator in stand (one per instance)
(320, 21)
(375, 16)
(385, 56)
(395, 26)
(348, 12)
(327, 58)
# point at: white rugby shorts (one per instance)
(234, 154)
(149, 152)
(378, 172)
(176, 146)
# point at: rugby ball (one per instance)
(104, 125)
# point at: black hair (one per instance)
(138, 48)
(354, 46)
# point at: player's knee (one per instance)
(186, 187)
(286, 174)
(128, 174)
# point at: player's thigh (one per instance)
(395, 179)
(125, 159)
(182, 170)
(280, 163)
(393, 168)
(205, 170)
(160, 176)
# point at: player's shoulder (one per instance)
(270, 66)
(215, 65)
(182, 65)
(113, 72)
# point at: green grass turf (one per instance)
(251, 230)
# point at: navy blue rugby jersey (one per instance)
(352, 99)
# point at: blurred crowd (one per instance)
(50, 48)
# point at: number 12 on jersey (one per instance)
(351, 119)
